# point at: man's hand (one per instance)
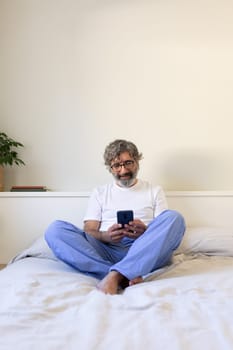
(114, 234)
(134, 229)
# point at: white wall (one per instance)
(76, 74)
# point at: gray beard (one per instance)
(126, 183)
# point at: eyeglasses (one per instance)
(127, 164)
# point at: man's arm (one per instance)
(92, 228)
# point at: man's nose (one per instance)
(123, 169)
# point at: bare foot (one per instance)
(110, 283)
(136, 280)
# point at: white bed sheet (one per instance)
(47, 305)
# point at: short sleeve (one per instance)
(94, 208)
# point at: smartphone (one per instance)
(124, 217)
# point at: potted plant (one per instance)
(8, 154)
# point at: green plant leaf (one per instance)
(8, 154)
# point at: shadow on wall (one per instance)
(197, 171)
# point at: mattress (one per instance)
(187, 305)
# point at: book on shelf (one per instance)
(29, 189)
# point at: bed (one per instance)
(187, 305)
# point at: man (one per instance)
(120, 256)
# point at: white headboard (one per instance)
(204, 208)
(25, 216)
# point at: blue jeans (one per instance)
(132, 258)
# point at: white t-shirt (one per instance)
(145, 200)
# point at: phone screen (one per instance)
(124, 216)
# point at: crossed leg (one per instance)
(164, 234)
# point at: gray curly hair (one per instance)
(115, 148)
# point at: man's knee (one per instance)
(174, 217)
(59, 230)
(173, 221)
(54, 230)
(179, 227)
